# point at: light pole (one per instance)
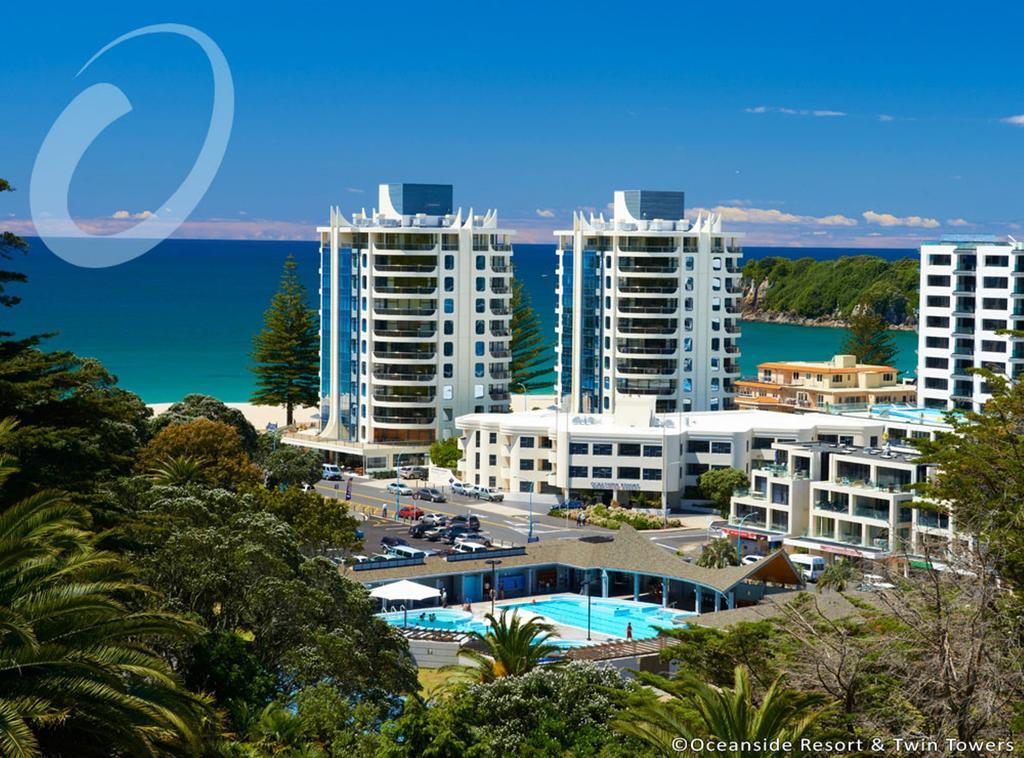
(398, 482)
(494, 580)
(587, 583)
(739, 537)
(529, 533)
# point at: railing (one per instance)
(631, 267)
(388, 311)
(386, 563)
(389, 290)
(390, 397)
(421, 333)
(628, 328)
(634, 350)
(633, 308)
(500, 352)
(500, 374)
(406, 268)
(647, 370)
(881, 515)
(404, 376)
(500, 290)
(505, 552)
(391, 418)
(827, 505)
(500, 310)
(392, 245)
(500, 269)
(405, 355)
(634, 289)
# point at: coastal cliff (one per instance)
(810, 292)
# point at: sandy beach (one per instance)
(258, 415)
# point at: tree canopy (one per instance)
(531, 354)
(869, 338)
(287, 351)
(717, 485)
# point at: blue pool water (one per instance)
(607, 616)
(445, 619)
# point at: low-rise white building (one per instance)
(634, 449)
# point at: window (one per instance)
(481, 262)
(478, 348)
(995, 282)
(480, 327)
(696, 469)
(447, 393)
(449, 284)
(938, 301)
(526, 486)
(940, 322)
(449, 328)
(448, 349)
(492, 438)
(762, 443)
(652, 451)
(939, 260)
(602, 472)
(993, 346)
(578, 448)
(652, 474)
(602, 448)
(627, 449)
(478, 370)
(480, 305)
(577, 471)
(938, 281)
(930, 362)
(449, 305)
(935, 384)
(722, 448)
(448, 371)
(527, 442)
(991, 324)
(481, 284)
(526, 464)
(698, 446)
(449, 263)
(492, 460)
(629, 472)
(994, 303)
(999, 261)
(940, 342)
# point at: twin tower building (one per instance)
(416, 316)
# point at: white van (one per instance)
(470, 547)
(331, 472)
(810, 566)
(408, 551)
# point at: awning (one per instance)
(405, 590)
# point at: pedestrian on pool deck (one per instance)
(629, 631)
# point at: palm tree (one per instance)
(697, 710)
(718, 554)
(77, 673)
(511, 648)
(179, 470)
(836, 576)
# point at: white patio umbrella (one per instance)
(404, 590)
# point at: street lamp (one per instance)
(586, 583)
(529, 533)
(494, 580)
(739, 537)
(398, 482)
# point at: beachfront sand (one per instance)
(258, 415)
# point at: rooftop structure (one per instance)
(821, 385)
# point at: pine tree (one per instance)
(869, 338)
(9, 243)
(287, 350)
(530, 359)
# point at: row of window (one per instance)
(623, 472)
(605, 448)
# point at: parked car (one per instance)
(360, 534)
(482, 537)
(408, 551)
(419, 531)
(489, 493)
(412, 472)
(359, 559)
(810, 566)
(748, 559)
(331, 472)
(433, 535)
(435, 519)
(573, 504)
(431, 494)
(460, 488)
(874, 583)
(452, 533)
(471, 522)
(469, 547)
(388, 541)
(409, 511)
(401, 489)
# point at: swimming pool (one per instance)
(445, 619)
(607, 616)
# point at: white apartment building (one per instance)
(835, 499)
(414, 313)
(971, 287)
(647, 305)
(634, 449)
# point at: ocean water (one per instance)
(181, 318)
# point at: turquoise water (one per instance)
(181, 318)
(445, 619)
(606, 616)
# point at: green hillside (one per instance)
(810, 289)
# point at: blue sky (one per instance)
(805, 123)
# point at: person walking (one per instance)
(629, 631)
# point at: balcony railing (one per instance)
(876, 513)
(403, 376)
(827, 505)
(646, 289)
(639, 350)
(406, 268)
(648, 268)
(393, 290)
(404, 418)
(405, 355)
(391, 331)
(393, 397)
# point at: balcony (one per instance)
(881, 514)
(633, 326)
(827, 505)
(499, 351)
(648, 347)
(500, 373)
(730, 367)
(644, 287)
(405, 355)
(646, 368)
(731, 328)
(403, 331)
(407, 268)
(630, 267)
(497, 392)
(404, 397)
(394, 289)
(398, 308)
(648, 245)
(388, 374)
(645, 387)
(499, 309)
(628, 305)
(409, 418)
(398, 243)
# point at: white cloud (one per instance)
(1014, 120)
(746, 215)
(354, 190)
(885, 117)
(121, 214)
(143, 214)
(958, 222)
(817, 112)
(888, 219)
(545, 213)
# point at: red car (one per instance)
(409, 511)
